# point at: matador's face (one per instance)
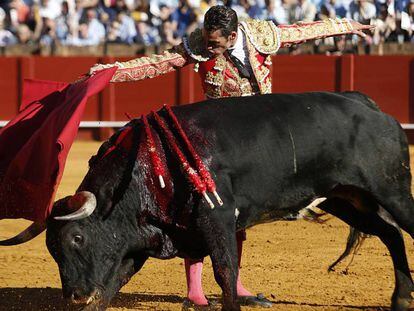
(216, 44)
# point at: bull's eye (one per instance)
(77, 240)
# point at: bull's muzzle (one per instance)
(78, 297)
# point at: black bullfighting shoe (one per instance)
(255, 301)
(188, 305)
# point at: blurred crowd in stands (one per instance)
(155, 22)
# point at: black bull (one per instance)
(270, 156)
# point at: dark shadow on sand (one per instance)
(47, 299)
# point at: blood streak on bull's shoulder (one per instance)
(205, 174)
(162, 196)
(124, 141)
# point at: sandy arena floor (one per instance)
(287, 261)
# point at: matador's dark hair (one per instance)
(222, 18)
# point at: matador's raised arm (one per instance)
(301, 32)
(147, 67)
(265, 36)
(268, 38)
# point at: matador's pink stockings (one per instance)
(194, 268)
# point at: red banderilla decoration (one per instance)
(155, 160)
(191, 174)
(205, 174)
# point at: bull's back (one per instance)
(282, 150)
(277, 123)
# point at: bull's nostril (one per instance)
(79, 296)
(76, 295)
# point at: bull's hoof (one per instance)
(188, 305)
(255, 301)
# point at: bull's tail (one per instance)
(355, 237)
(353, 244)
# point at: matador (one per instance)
(232, 59)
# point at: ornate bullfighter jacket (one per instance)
(219, 76)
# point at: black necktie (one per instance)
(243, 72)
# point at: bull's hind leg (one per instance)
(374, 220)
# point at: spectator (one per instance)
(121, 6)
(157, 5)
(92, 32)
(385, 26)
(49, 9)
(48, 32)
(147, 25)
(64, 22)
(107, 11)
(341, 7)
(6, 36)
(167, 27)
(123, 29)
(24, 34)
(153, 22)
(19, 12)
(183, 19)
(278, 11)
(239, 6)
(401, 5)
(326, 11)
(304, 11)
(255, 9)
(407, 21)
(362, 11)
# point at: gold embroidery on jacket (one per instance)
(214, 81)
(217, 79)
(221, 85)
(148, 67)
(260, 71)
(242, 85)
(316, 30)
(220, 63)
(264, 35)
(236, 88)
(268, 60)
(213, 91)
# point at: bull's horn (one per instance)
(26, 235)
(84, 202)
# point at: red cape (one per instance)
(35, 144)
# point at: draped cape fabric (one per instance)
(35, 144)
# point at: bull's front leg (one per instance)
(218, 227)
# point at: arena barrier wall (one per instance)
(389, 80)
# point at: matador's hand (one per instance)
(359, 28)
(95, 68)
(92, 71)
